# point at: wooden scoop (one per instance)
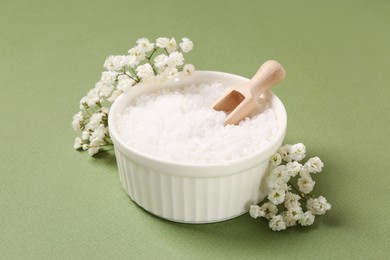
(242, 100)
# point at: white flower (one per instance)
(274, 183)
(307, 219)
(169, 44)
(295, 212)
(144, 45)
(277, 223)
(123, 72)
(278, 178)
(78, 143)
(161, 61)
(297, 152)
(172, 46)
(292, 200)
(97, 135)
(318, 206)
(114, 95)
(92, 150)
(255, 211)
(169, 73)
(275, 159)
(133, 60)
(136, 55)
(280, 172)
(188, 69)
(306, 183)
(277, 196)
(288, 219)
(314, 165)
(285, 152)
(186, 45)
(85, 135)
(292, 215)
(95, 121)
(145, 71)
(108, 77)
(158, 79)
(85, 146)
(176, 59)
(111, 63)
(269, 210)
(84, 103)
(91, 100)
(115, 62)
(293, 168)
(124, 83)
(162, 42)
(279, 190)
(78, 121)
(104, 90)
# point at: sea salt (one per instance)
(179, 125)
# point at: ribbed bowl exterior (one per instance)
(193, 193)
(190, 199)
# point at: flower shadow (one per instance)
(243, 232)
(106, 158)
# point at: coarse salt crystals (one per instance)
(179, 125)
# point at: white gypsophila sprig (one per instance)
(318, 206)
(186, 45)
(289, 200)
(284, 152)
(297, 152)
(277, 223)
(188, 69)
(276, 159)
(268, 210)
(305, 183)
(255, 211)
(169, 45)
(314, 165)
(307, 219)
(151, 62)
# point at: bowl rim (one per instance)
(192, 169)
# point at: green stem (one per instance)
(299, 193)
(154, 69)
(136, 79)
(153, 52)
(108, 140)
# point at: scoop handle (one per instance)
(268, 75)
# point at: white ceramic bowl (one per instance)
(193, 193)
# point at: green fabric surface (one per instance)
(57, 203)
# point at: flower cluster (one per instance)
(146, 62)
(282, 205)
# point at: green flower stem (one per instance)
(133, 77)
(136, 79)
(299, 193)
(89, 114)
(153, 52)
(154, 69)
(151, 63)
(108, 140)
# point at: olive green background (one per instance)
(57, 203)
